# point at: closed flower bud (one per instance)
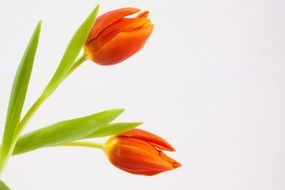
(116, 37)
(140, 152)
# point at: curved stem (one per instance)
(84, 144)
(43, 97)
(20, 128)
(31, 112)
(21, 125)
(76, 64)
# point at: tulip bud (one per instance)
(140, 152)
(116, 37)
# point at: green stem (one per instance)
(30, 113)
(21, 126)
(76, 64)
(84, 144)
(42, 98)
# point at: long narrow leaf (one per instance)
(114, 129)
(72, 51)
(3, 186)
(65, 131)
(18, 93)
(63, 69)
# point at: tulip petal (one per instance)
(140, 162)
(143, 14)
(122, 25)
(138, 157)
(173, 162)
(152, 139)
(108, 18)
(122, 46)
(140, 144)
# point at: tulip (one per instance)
(116, 37)
(139, 152)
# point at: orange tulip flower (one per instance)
(140, 152)
(116, 37)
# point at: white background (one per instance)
(210, 80)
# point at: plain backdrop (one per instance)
(210, 80)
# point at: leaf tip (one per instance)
(39, 25)
(97, 7)
(137, 123)
(118, 111)
(95, 10)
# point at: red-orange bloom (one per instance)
(116, 37)
(140, 152)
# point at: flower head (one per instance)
(116, 37)
(140, 152)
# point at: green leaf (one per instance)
(18, 94)
(3, 186)
(72, 51)
(65, 131)
(63, 69)
(114, 129)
